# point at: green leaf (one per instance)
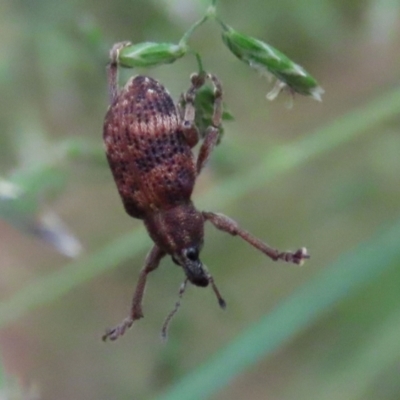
(265, 58)
(149, 54)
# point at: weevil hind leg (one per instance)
(152, 261)
(230, 226)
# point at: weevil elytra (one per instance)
(148, 142)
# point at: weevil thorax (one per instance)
(179, 231)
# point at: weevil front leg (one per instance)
(188, 111)
(188, 114)
(151, 263)
(209, 142)
(212, 132)
(230, 226)
(112, 70)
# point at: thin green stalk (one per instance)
(276, 161)
(212, 9)
(293, 315)
(189, 32)
(199, 62)
(47, 288)
(210, 13)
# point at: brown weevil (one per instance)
(148, 142)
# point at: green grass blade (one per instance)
(287, 157)
(357, 376)
(295, 313)
(276, 161)
(50, 287)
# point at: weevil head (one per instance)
(179, 231)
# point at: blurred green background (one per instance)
(321, 175)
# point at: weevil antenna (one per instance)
(221, 301)
(164, 330)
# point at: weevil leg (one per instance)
(212, 132)
(217, 113)
(112, 70)
(188, 114)
(152, 261)
(209, 142)
(188, 111)
(230, 226)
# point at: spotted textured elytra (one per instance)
(146, 148)
(148, 142)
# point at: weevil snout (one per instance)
(188, 259)
(196, 274)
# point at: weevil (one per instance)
(148, 142)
